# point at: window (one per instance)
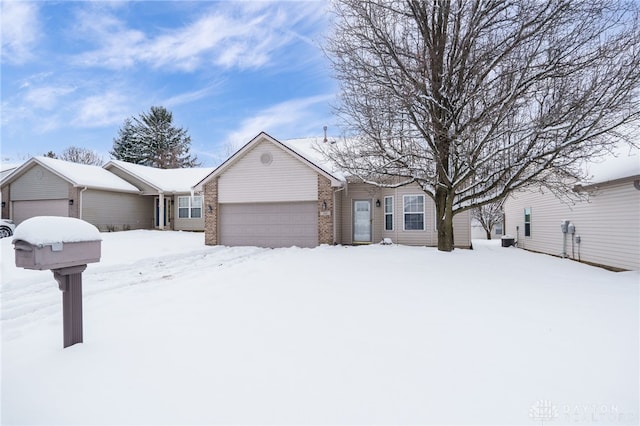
(527, 222)
(413, 212)
(388, 213)
(196, 207)
(190, 207)
(498, 228)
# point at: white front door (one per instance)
(362, 221)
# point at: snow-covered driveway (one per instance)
(180, 333)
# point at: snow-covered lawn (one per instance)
(176, 332)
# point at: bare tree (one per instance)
(81, 155)
(472, 99)
(488, 215)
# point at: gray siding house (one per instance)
(278, 194)
(45, 186)
(118, 196)
(172, 204)
(606, 224)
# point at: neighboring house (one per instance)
(6, 169)
(171, 201)
(115, 197)
(606, 226)
(277, 194)
(44, 186)
(478, 232)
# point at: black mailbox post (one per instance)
(65, 246)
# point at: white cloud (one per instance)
(185, 98)
(46, 98)
(289, 119)
(20, 30)
(231, 35)
(101, 110)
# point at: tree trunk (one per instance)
(444, 210)
(488, 231)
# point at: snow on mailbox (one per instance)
(64, 245)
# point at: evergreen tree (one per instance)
(152, 140)
(126, 146)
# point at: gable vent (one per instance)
(266, 158)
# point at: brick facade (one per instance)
(211, 217)
(325, 215)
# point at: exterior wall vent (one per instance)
(266, 158)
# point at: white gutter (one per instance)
(80, 203)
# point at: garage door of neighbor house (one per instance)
(269, 224)
(23, 210)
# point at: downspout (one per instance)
(335, 219)
(80, 202)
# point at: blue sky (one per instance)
(72, 72)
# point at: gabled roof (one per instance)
(301, 149)
(78, 175)
(162, 180)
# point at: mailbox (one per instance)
(55, 255)
(65, 246)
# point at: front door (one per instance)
(166, 213)
(362, 221)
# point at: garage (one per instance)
(23, 210)
(269, 224)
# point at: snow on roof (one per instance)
(86, 175)
(165, 180)
(309, 148)
(5, 166)
(43, 230)
(623, 162)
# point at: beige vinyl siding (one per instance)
(608, 225)
(426, 237)
(38, 183)
(284, 179)
(187, 224)
(461, 229)
(106, 209)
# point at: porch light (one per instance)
(324, 205)
(377, 203)
(209, 208)
(70, 202)
(4, 204)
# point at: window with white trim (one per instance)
(527, 222)
(190, 207)
(413, 212)
(388, 213)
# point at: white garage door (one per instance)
(269, 224)
(23, 210)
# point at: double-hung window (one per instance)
(190, 207)
(527, 222)
(388, 213)
(413, 212)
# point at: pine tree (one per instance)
(126, 146)
(152, 140)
